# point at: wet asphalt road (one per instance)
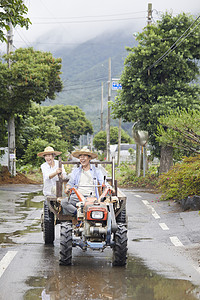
(163, 253)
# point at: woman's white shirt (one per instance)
(48, 183)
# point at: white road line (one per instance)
(154, 213)
(6, 260)
(176, 241)
(138, 196)
(146, 202)
(164, 226)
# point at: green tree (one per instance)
(72, 122)
(35, 132)
(30, 157)
(3, 132)
(55, 125)
(12, 11)
(32, 77)
(99, 140)
(153, 87)
(181, 129)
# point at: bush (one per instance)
(126, 176)
(182, 180)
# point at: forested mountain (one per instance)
(85, 67)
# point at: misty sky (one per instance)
(78, 20)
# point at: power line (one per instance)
(69, 87)
(175, 45)
(184, 38)
(81, 88)
(79, 43)
(63, 90)
(70, 43)
(61, 25)
(87, 21)
(25, 41)
(99, 16)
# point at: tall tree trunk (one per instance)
(11, 146)
(166, 159)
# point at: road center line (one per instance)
(176, 241)
(154, 213)
(164, 226)
(6, 260)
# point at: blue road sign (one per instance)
(116, 86)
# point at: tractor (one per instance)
(99, 223)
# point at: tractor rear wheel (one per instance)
(120, 247)
(48, 225)
(66, 244)
(121, 218)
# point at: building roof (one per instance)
(125, 147)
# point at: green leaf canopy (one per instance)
(147, 95)
(99, 140)
(12, 11)
(72, 122)
(33, 76)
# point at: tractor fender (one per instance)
(113, 219)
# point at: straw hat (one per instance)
(84, 151)
(48, 150)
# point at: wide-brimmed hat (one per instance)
(84, 151)
(48, 150)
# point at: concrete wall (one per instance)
(4, 156)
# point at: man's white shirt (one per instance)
(86, 184)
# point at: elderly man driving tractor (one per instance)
(85, 178)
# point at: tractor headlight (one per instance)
(97, 214)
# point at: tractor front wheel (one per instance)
(48, 225)
(66, 244)
(120, 246)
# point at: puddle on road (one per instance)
(142, 239)
(17, 215)
(102, 281)
(90, 278)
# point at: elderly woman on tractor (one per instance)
(50, 170)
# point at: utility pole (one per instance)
(101, 106)
(11, 120)
(119, 140)
(138, 160)
(149, 17)
(108, 120)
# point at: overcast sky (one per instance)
(77, 20)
